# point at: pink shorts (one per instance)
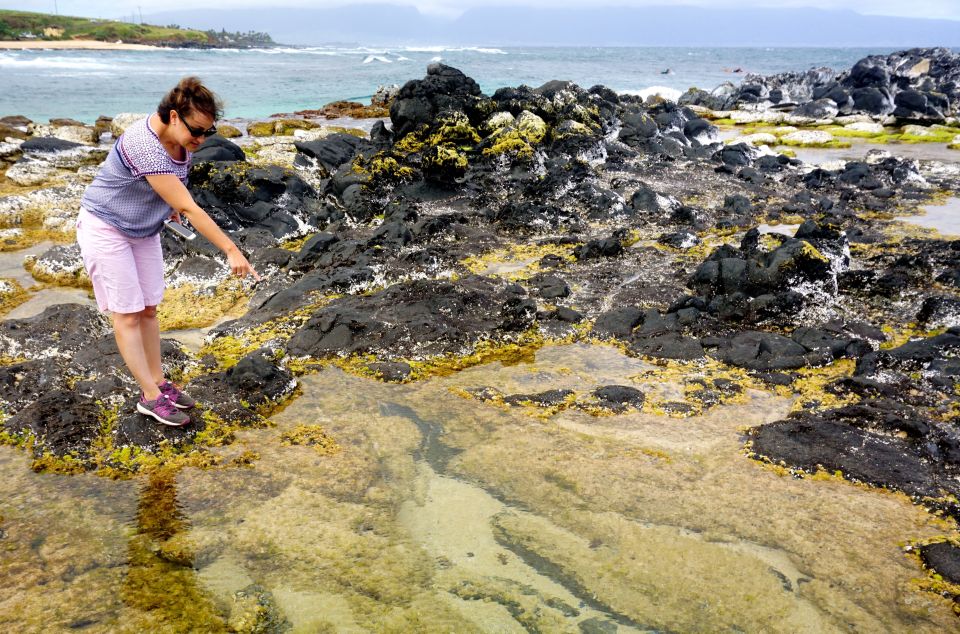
(127, 273)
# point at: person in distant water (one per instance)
(141, 184)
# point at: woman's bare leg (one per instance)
(127, 331)
(150, 335)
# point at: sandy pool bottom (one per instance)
(434, 511)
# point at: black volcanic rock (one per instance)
(218, 148)
(419, 101)
(421, 318)
(334, 150)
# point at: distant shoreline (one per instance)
(74, 44)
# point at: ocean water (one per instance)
(257, 83)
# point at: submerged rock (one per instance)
(944, 559)
(922, 459)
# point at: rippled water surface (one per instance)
(258, 82)
(442, 513)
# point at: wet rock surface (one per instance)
(944, 558)
(473, 227)
(917, 85)
(472, 222)
(421, 319)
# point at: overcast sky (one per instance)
(949, 9)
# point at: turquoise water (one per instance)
(257, 83)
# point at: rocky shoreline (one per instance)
(481, 227)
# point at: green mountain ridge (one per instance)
(24, 25)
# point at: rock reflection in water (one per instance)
(443, 513)
(943, 218)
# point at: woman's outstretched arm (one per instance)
(178, 197)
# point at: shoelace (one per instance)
(170, 389)
(164, 405)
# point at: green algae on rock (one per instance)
(279, 127)
(187, 306)
(312, 436)
(12, 294)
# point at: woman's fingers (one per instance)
(240, 266)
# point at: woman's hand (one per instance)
(239, 265)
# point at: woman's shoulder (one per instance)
(142, 151)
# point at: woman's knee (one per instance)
(126, 320)
(149, 312)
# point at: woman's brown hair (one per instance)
(188, 96)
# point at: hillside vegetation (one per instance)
(20, 25)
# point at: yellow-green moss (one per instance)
(531, 127)
(11, 295)
(455, 130)
(445, 158)
(190, 307)
(279, 127)
(71, 279)
(775, 130)
(810, 383)
(412, 142)
(509, 142)
(934, 134)
(839, 131)
(228, 349)
(809, 251)
(162, 591)
(518, 139)
(311, 435)
(695, 378)
(296, 244)
(834, 144)
(228, 131)
(339, 129)
(525, 256)
(26, 229)
(509, 353)
(933, 582)
(383, 168)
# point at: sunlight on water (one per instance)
(440, 512)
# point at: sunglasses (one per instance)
(198, 132)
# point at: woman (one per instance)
(141, 184)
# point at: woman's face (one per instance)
(190, 131)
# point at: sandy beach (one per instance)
(74, 44)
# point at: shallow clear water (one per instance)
(859, 149)
(440, 512)
(256, 83)
(944, 218)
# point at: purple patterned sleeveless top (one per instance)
(120, 194)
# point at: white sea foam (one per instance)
(377, 58)
(667, 93)
(454, 49)
(82, 63)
